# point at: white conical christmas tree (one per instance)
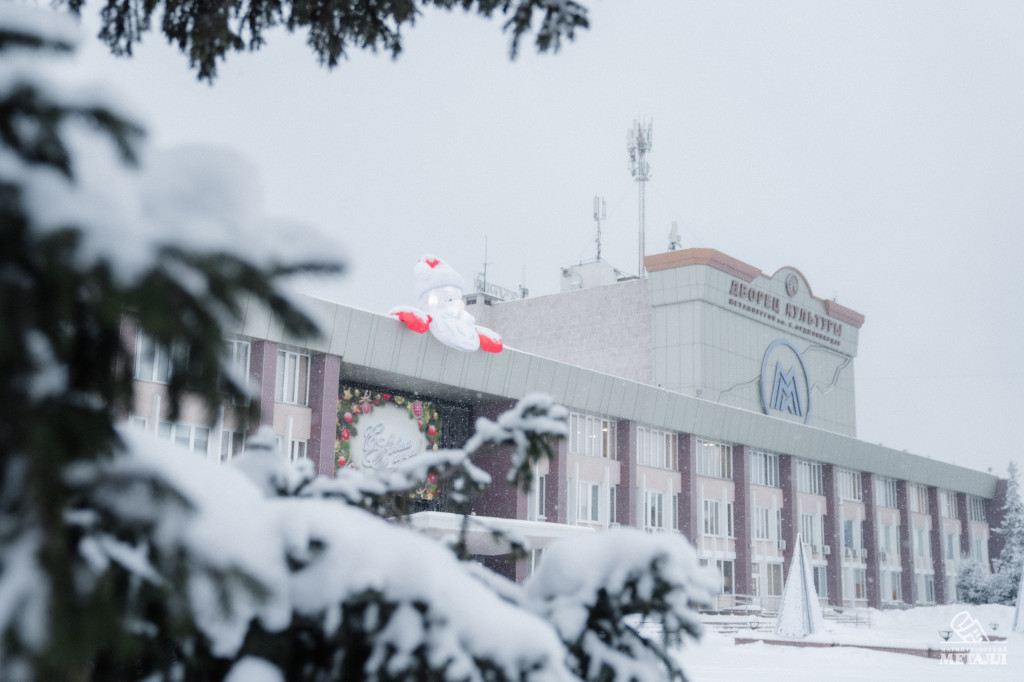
(1018, 615)
(800, 614)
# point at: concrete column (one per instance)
(870, 541)
(263, 371)
(688, 500)
(625, 494)
(790, 520)
(833, 529)
(965, 524)
(324, 379)
(741, 519)
(938, 558)
(906, 536)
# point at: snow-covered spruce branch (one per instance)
(596, 590)
(529, 428)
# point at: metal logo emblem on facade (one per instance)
(785, 384)
(792, 284)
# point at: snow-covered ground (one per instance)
(718, 658)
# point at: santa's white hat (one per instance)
(432, 272)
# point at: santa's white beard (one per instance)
(454, 331)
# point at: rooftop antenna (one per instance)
(673, 237)
(481, 286)
(600, 213)
(638, 143)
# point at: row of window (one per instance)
(154, 362)
(197, 437)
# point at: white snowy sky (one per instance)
(877, 147)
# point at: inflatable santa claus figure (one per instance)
(442, 310)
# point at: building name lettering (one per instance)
(801, 319)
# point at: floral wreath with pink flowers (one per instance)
(355, 402)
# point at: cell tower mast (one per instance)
(600, 213)
(639, 142)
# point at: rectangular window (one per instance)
(860, 583)
(809, 530)
(714, 459)
(292, 378)
(231, 444)
(821, 581)
(848, 539)
(850, 485)
(809, 478)
(918, 495)
(774, 582)
(654, 510)
(725, 568)
(191, 436)
(885, 492)
(541, 494)
(922, 544)
(613, 504)
(152, 361)
(589, 502)
(237, 354)
(297, 450)
(947, 502)
(675, 511)
(730, 526)
(762, 523)
(764, 468)
(711, 526)
(591, 436)
(976, 508)
(657, 448)
(952, 546)
(929, 589)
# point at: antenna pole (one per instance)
(600, 213)
(638, 143)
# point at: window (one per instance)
(764, 468)
(711, 526)
(725, 568)
(952, 546)
(774, 580)
(850, 485)
(922, 544)
(297, 450)
(947, 504)
(589, 502)
(892, 590)
(292, 378)
(886, 543)
(152, 361)
(860, 583)
(613, 504)
(762, 523)
(654, 510)
(918, 495)
(981, 550)
(535, 557)
(141, 423)
(714, 459)
(976, 508)
(809, 478)
(929, 589)
(730, 528)
(591, 436)
(811, 530)
(657, 448)
(675, 511)
(821, 581)
(196, 438)
(237, 354)
(885, 492)
(541, 495)
(231, 444)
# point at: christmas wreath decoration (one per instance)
(354, 403)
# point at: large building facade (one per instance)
(708, 400)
